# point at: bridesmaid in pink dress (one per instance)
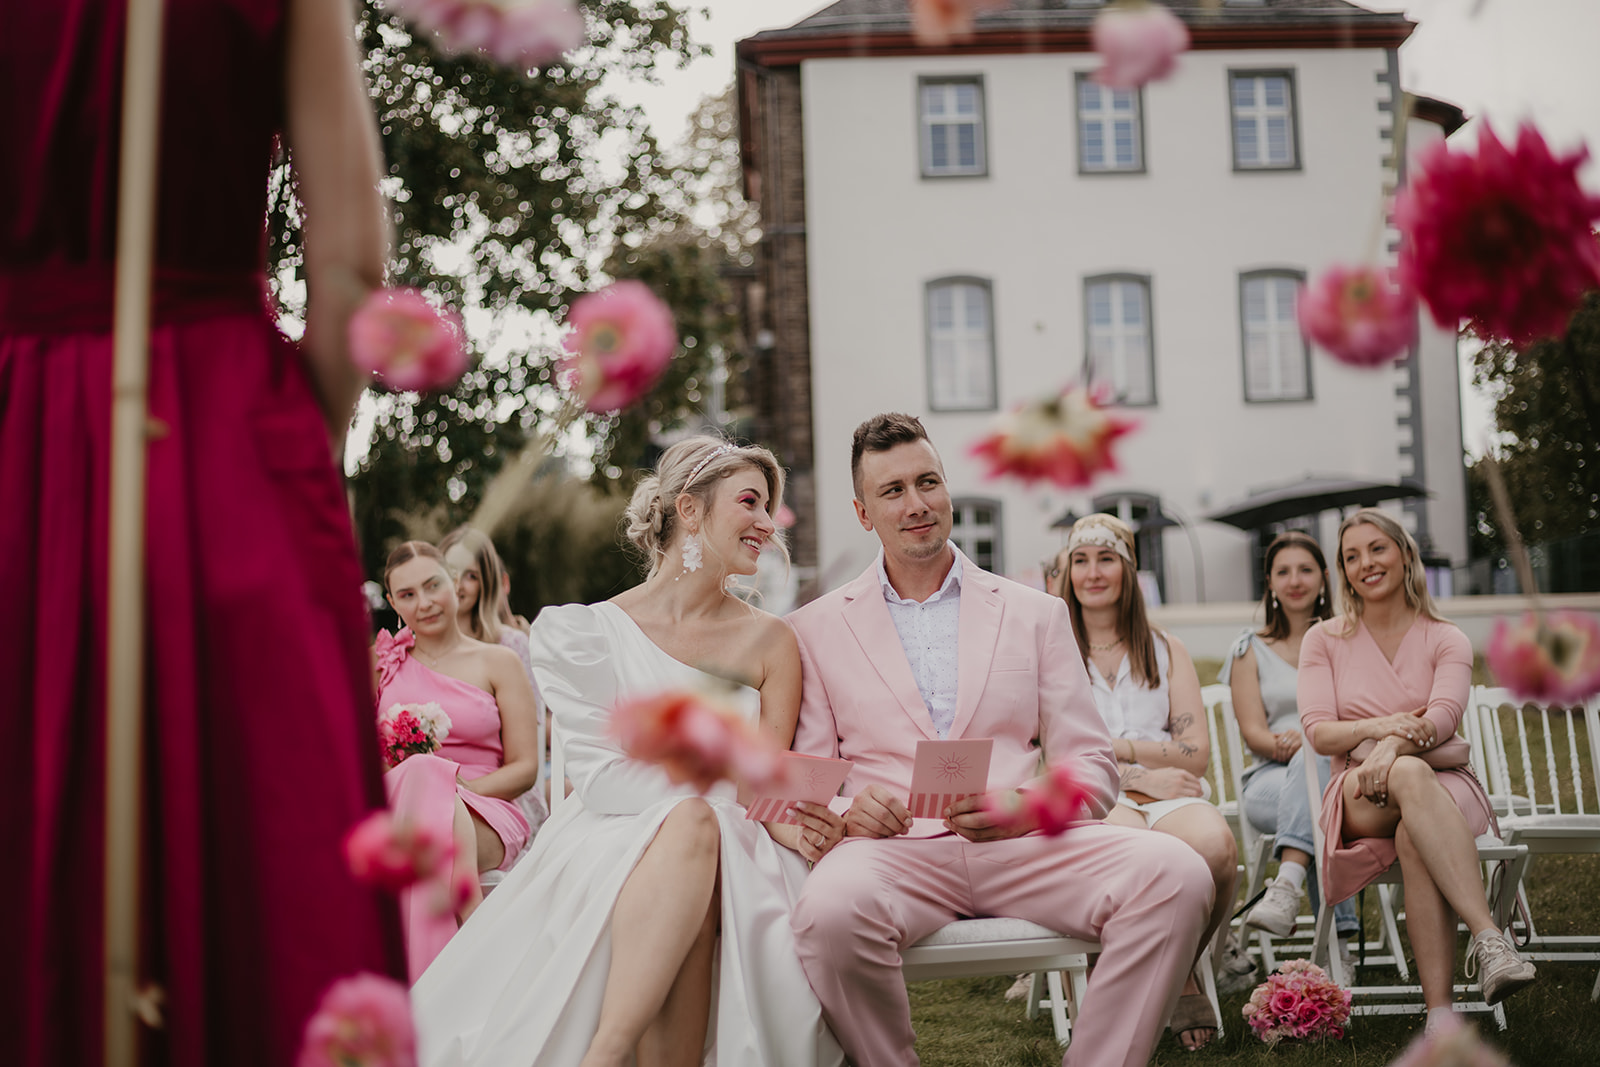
(1382, 687)
(260, 751)
(467, 790)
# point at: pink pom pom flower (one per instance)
(1064, 439)
(392, 855)
(1359, 315)
(1450, 1043)
(515, 33)
(1138, 42)
(936, 23)
(363, 1021)
(1051, 805)
(407, 342)
(1501, 236)
(620, 343)
(1554, 660)
(695, 738)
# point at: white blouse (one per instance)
(1131, 710)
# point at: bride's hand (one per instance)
(820, 830)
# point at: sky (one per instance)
(1502, 61)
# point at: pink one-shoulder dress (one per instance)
(1343, 678)
(423, 789)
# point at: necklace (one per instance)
(432, 661)
(1104, 648)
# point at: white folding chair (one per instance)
(1557, 812)
(1407, 999)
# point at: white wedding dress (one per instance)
(521, 984)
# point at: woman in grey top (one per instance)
(1274, 797)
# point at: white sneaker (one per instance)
(1275, 912)
(1504, 972)
(1347, 960)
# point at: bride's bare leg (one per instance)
(659, 922)
(676, 1036)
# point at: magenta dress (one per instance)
(423, 789)
(1347, 678)
(260, 745)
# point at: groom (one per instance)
(927, 645)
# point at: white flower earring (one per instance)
(692, 557)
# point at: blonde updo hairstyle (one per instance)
(694, 466)
(1413, 581)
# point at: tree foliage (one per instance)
(1547, 409)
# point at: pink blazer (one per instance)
(1020, 680)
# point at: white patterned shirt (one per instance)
(929, 632)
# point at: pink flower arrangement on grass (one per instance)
(1554, 659)
(515, 33)
(1298, 1000)
(363, 1021)
(620, 343)
(394, 855)
(1450, 1043)
(936, 23)
(1360, 315)
(406, 730)
(1050, 805)
(695, 738)
(1065, 439)
(1138, 42)
(1502, 236)
(407, 342)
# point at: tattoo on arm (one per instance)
(1132, 775)
(1187, 749)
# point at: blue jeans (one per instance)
(1275, 802)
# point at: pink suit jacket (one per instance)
(1020, 681)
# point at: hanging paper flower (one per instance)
(515, 33)
(363, 1021)
(1360, 316)
(1450, 1043)
(1554, 660)
(1501, 236)
(1050, 805)
(1065, 439)
(1138, 42)
(621, 340)
(404, 340)
(393, 855)
(936, 23)
(1298, 1000)
(695, 738)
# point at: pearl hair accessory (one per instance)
(720, 450)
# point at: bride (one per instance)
(649, 924)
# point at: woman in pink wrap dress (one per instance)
(468, 788)
(1382, 687)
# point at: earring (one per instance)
(692, 558)
(1274, 601)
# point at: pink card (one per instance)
(948, 771)
(813, 778)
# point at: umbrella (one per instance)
(1311, 495)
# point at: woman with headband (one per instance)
(1147, 691)
(645, 910)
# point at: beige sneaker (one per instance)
(1276, 911)
(1504, 972)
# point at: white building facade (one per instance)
(982, 225)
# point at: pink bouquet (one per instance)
(695, 738)
(406, 730)
(1298, 1000)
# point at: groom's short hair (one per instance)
(879, 434)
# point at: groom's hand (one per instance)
(968, 818)
(876, 812)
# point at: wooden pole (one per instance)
(136, 209)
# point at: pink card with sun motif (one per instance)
(811, 778)
(948, 771)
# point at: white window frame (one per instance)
(952, 120)
(961, 358)
(1286, 352)
(965, 530)
(1110, 350)
(1106, 116)
(1258, 114)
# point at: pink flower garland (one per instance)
(407, 342)
(515, 33)
(1298, 1000)
(696, 739)
(1552, 660)
(1051, 805)
(1360, 316)
(1138, 42)
(1501, 236)
(394, 855)
(936, 23)
(1065, 439)
(363, 1021)
(620, 342)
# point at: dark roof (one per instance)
(859, 17)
